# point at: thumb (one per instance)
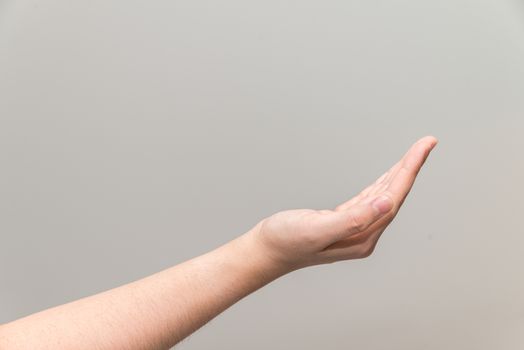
(357, 218)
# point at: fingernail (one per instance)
(382, 204)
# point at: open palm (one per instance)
(303, 237)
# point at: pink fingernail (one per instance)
(382, 204)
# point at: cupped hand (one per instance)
(305, 237)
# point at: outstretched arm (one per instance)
(158, 311)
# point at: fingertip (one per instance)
(426, 143)
(429, 139)
(433, 140)
(383, 204)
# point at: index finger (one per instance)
(412, 162)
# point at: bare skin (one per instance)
(160, 310)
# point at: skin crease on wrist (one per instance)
(158, 311)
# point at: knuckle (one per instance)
(357, 223)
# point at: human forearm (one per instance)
(152, 313)
(158, 311)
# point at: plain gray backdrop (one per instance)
(137, 134)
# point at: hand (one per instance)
(304, 237)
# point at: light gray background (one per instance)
(135, 135)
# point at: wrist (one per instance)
(258, 258)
